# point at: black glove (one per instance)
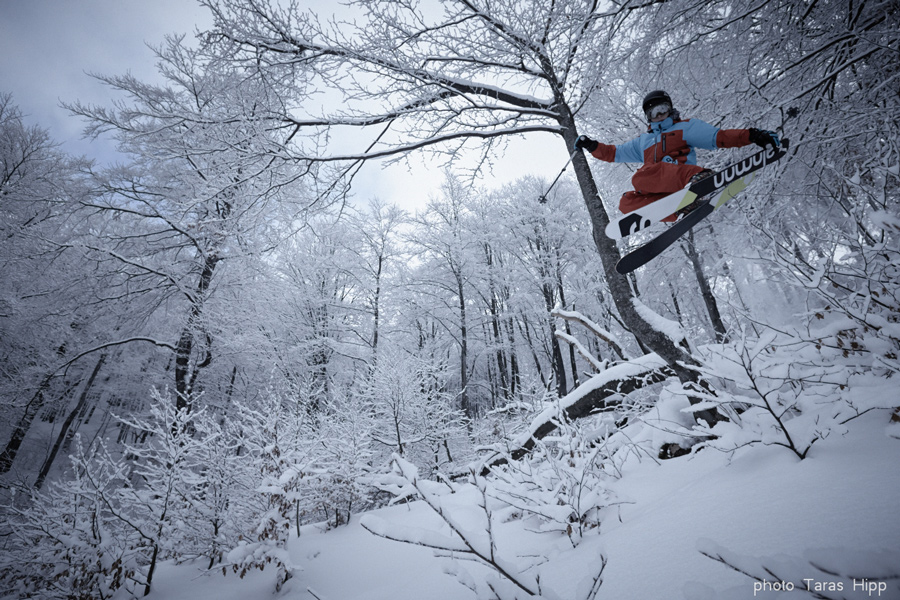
(586, 143)
(763, 138)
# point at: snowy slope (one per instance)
(764, 502)
(840, 503)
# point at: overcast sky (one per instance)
(50, 47)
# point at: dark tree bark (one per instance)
(556, 357)
(562, 300)
(525, 328)
(709, 300)
(603, 398)
(24, 424)
(464, 403)
(64, 431)
(185, 368)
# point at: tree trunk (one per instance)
(18, 435)
(712, 307)
(513, 358)
(376, 309)
(185, 371)
(556, 357)
(562, 302)
(494, 307)
(526, 331)
(67, 424)
(463, 350)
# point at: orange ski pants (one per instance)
(654, 181)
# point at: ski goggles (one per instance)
(658, 110)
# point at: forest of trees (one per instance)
(214, 341)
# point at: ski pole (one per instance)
(543, 197)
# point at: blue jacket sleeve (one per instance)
(700, 134)
(630, 152)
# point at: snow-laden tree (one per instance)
(413, 414)
(441, 240)
(549, 251)
(466, 75)
(377, 244)
(309, 309)
(204, 189)
(49, 308)
(495, 287)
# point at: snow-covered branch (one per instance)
(602, 392)
(593, 327)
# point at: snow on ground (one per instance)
(764, 502)
(757, 502)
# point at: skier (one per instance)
(667, 151)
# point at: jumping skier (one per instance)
(667, 151)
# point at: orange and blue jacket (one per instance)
(673, 141)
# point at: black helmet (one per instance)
(655, 98)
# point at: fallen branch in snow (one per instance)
(600, 393)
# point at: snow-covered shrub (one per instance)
(413, 413)
(69, 542)
(851, 276)
(338, 479)
(563, 482)
(508, 561)
(793, 387)
(219, 505)
(274, 439)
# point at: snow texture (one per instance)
(756, 507)
(671, 329)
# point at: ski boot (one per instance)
(697, 202)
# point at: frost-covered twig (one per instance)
(463, 540)
(790, 390)
(477, 543)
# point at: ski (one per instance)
(657, 211)
(644, 254)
